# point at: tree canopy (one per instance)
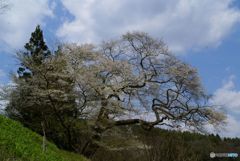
(36, 51)
(42, 97)
(84, 90)
(120, 80)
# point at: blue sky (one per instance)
(203, 33)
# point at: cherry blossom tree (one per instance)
(120, 81)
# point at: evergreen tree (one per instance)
(43, 98)
(36, 51)
(21, 104)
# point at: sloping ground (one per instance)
(18, 143)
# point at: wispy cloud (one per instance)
(229, 99)
(19, 20)
(183, 24)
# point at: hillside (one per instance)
(18, 143)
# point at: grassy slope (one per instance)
(18, 143)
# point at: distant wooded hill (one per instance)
(164, 145)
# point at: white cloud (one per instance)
(184, 24)
(19, 21)
(232, 129)
(229, 98)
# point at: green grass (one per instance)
(18, 143)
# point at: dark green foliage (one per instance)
(164, 145)
(20, 144)
(36, 49)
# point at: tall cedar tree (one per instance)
(37, 49)
(21, 105)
